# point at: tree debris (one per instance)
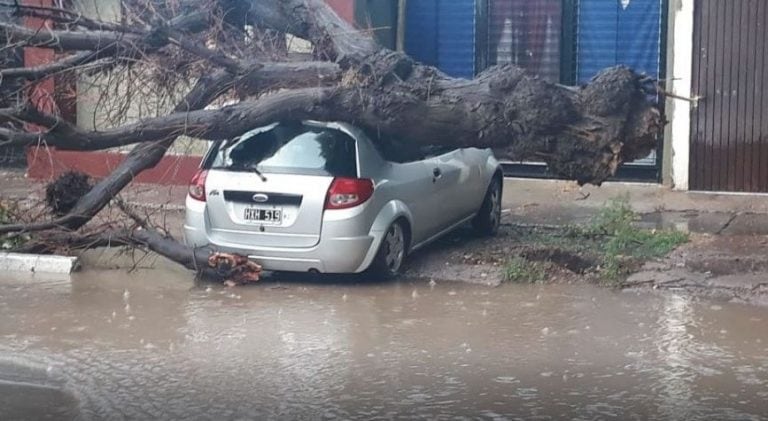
(62, 194)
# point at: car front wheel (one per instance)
(389, 259)
(488, 218)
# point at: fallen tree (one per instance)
(582, 133)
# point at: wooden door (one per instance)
(729, 133)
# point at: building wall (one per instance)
(41, 93)
(10, 156)
(678, 81)
(344, 8)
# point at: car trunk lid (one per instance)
(284, 211)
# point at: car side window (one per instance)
(402, 152)
(430, 151)
(393, 150)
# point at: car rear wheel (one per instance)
(488, 218)
(389, 259)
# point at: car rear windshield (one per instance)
(289, 148)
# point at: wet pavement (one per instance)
(153, 345)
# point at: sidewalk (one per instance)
(552, 202)
(726, 259)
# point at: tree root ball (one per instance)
(62, 194)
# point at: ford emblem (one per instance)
(260, 197)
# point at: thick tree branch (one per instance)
(309, 19)
(202, 260)
(63, 135)
(67, 40)
(292, 75)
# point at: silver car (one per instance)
(324, 197)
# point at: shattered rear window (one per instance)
(290, 148)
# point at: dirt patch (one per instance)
(527, 254)
(606, 250)
(565, 259)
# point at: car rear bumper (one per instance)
(337, 251)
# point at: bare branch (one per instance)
(65, 64)
(66, 16)
(313, 20)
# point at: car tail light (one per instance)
(348, 192)
(197, 185)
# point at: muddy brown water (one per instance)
(152, 345)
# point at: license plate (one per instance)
(270, 216)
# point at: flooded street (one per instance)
(154, 346)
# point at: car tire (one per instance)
(388, 262)
(488, 219)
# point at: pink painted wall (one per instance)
(345, 8)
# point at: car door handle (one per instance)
(436, 173)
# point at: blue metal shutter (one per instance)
(442, 33)
(638, 45)
(597, 33)
(611, 32)
(421, 31)
(456, 37)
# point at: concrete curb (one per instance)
(37, 263)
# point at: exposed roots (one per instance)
(62, 194)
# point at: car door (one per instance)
(454, 182)
(477, 184)
(411, 183)
(408, 177)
